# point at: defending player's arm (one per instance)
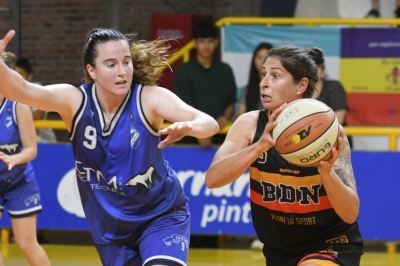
(339, 182)
(163, 105)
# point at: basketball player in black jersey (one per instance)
(305, 216)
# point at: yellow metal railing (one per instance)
(351, 22)
(184, 52)
(391, 132)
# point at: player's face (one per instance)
(113, 68)
(277, 85)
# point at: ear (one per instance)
(90, 69)
(303, 84)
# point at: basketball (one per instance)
(306, 132)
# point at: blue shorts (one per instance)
(23, 200)
(164, 241)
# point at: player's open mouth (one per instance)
(264, 96)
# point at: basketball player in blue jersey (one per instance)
(305, 216)
(134, 204)
(19, 191)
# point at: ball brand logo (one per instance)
(301, 135)
(318, 154)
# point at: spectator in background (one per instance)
(250, 98)
(206, 83)
(375, 9)
(19, 191)
(44, 135)
(333, 94)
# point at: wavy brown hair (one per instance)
(149, 58)
(9, 59)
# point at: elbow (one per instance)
(351, 216)
(216, 128)
(33, 154)
(210, 181)
(350, 219)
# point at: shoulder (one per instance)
(249, 117)
(222, 65)
(20, 107)
(333, 85)
(186, 67)
(246, 124)
(191, 63)
(155, 93)
(23, 112)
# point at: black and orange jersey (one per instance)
(291, 211)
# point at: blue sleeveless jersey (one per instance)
(123, 179)
(10, 143)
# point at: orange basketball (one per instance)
(306, 132)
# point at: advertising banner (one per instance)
(365, 60)
(224, 210)
(370, 73)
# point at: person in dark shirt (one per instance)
(207, 83)
(375, 12)
(332, 93)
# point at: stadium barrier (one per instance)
(222, 211)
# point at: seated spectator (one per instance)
(207, 83)
(250, 98)
(375, 9)
(333, 94)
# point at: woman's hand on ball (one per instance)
(266, 141)
(325, 166)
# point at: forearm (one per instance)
(228, 168)
(204, 126)
(11, 83)
(26, 155)
(343, 198)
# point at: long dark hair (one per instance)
(253, 85)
